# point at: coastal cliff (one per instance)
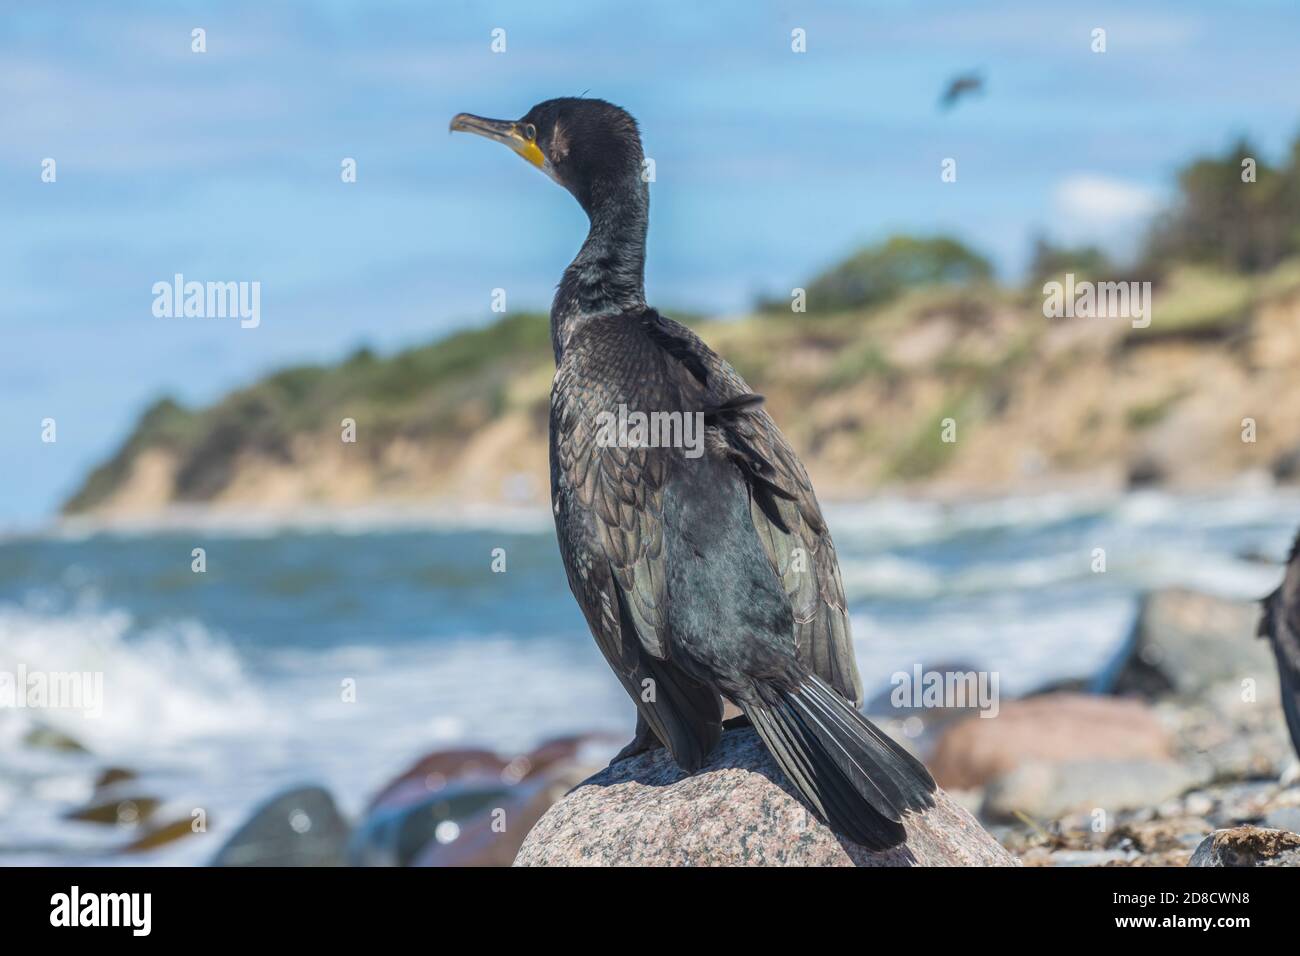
(1205, 395)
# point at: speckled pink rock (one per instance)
(738, 810)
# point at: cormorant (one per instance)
(1281, 625)
(701, 576)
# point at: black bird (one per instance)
(701, 577)
(1281, 625)
(960, 86)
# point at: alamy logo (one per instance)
(209, 300)
(922, 689)
(53, 690)
(1098, 300)
(626, 429)
(103, 909)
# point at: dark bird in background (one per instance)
(960, 86)
(1281, 625)
(704, 577)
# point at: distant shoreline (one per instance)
(444, 514)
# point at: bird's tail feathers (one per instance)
(855, 777)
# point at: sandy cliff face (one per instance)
(867, 401)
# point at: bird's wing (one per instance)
(784, 507)
(608, 503)
(1281, 625)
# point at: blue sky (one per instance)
(770, 164)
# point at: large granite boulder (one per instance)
(737, 810)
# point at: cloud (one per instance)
(1089, 202)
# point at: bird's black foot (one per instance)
(643, 741)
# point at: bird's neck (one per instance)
(608, 274)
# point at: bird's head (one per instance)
(589, 147)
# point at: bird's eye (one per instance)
(530, 132)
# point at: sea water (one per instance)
(339, 654)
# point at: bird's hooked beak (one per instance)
(510, 132)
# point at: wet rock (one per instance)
(737, 810)
(1046, 790)
(126, 811)
(1248, 846)
(1286, 467)
(434, 770)
(300, 827)
(394, 834)
(1049, 728)
(493, 838)
(1184, 642)
(42, 737)
(111, 776)
(161, 836)
(466, 807)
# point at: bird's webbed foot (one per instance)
(644, 740)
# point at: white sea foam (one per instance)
(168, 684)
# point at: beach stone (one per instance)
(737, 810)
(299, 827)
(1049, 728)
(1045, 790)
(468, 807)
(479, 840)
(1184, 642)
(110, 776)
(1283, 818)
(1248, 846)
(42, 737)
(1042, 857)
(126, 811)
(162, 835)
(1245, 802)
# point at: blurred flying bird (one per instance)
(704, 572)
(1281, 625)
(960, 86)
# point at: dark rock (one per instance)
(465, 807)
(161, 836)
(1184, 642)
(1146, 471)
(47, 738)
(113, 775)
(1286, 467)
(1248, 846)
(493, 837)
(738, 810)
(392, 835)
(127, 811)
(1050, 728)
(300, 827)
(435, 770)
